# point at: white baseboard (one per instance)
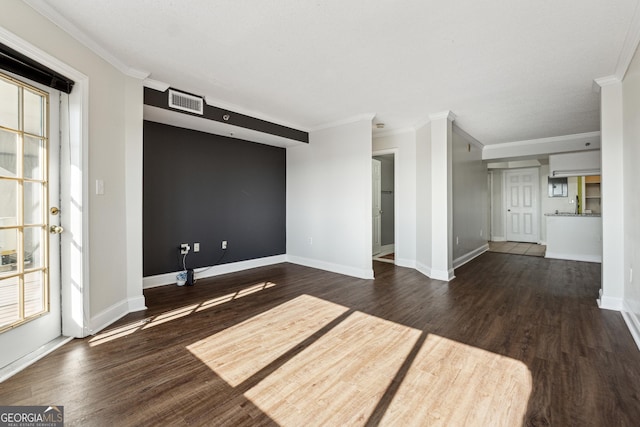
(470, 255)
(136, 304)
(610, 303)
(632, 320)
(31, 358)
(443, 275)
(409, 263)
(201, 273)
(423, 268)
(498, 239)
(574, 257)
(108, 316)
(335, 268)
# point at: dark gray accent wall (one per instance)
(161, 100)
(206, 188)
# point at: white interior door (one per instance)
(521, 201)
(376, 210)
(30, 311)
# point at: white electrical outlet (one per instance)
(310, 241)
(457, 240)
(630, 274)
(184, 248)
(224, 244)
(196, 247)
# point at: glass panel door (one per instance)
(24, 290)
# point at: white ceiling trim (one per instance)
(553, 139)
(631, 42)
(468, 137)
(57, 19)
(392, 132)
(447, 114)
(348, 120)
(606, 81)
(155, 85)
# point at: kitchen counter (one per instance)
(574, 237)
(572, 214)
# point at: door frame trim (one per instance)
(75, 242)
(396, 177)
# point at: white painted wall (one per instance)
(470, 198)
(423, 199)
(631, 105)
(577, 238)
(108, 120)
(584, 163)
(404, 144)
(329, 199)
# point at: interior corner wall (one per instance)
(470, 199)
(205, 188)
(405, 197)
(423, 199)
(107, 117)
(329, 200)
(631, 131)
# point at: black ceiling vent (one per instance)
(185, 102)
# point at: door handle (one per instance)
(55, 229)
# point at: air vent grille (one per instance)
(185, 102)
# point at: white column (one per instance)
(133, 192)
(611, 127)
(442, 195)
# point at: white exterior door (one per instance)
(376, 209)
(30, 309)
(521, 202)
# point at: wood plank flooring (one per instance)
(511, 341)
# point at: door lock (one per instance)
(54, 210)
(55, 229)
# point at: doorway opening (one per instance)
(383, 209)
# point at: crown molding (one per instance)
(57, 19)
(630, 45)
(348, 120)
(469, 138)
(605, 81)
(392, 132)
(155, 85)
(447, 114)
(553, 139)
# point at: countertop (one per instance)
(597, 215)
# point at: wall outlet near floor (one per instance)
(224, 244)
(196, 247)
(457, 240)
(184, 248)
(630, 274)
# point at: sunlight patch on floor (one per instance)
(242, 350)
(450, 383)
(150, 322)
(340, 378)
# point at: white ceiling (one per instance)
(510, 70)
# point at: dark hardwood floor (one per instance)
(512, 340)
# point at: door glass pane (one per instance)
(8, 105)
(33, 248)
(33, 203)
(8, 202)
(8, 153)
(33, 293)
(33, 157)
(33, 113)
(8, 247)
(9, 298)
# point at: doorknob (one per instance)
(55, 229)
